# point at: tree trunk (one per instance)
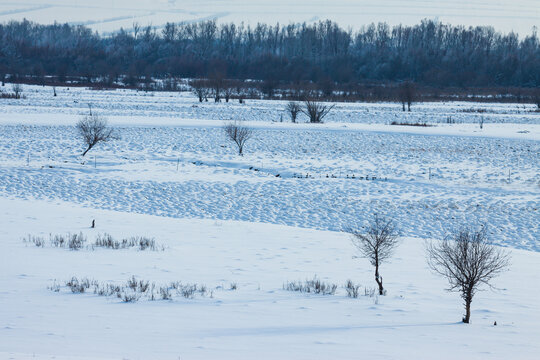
(403, 104)
(378, 279)
(87, 150)
(468, 300)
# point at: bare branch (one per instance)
(467, 259)
(316, 111)
(293, 108)
(94, 129)
(239, 134)
(377, 244)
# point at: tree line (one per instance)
(430, 53)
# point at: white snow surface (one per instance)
(226, 219)
(417, 319)
(174, 160)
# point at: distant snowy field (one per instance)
(110, 15)
(225, 218)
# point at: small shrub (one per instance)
(108, 242)
(54, 287)
(36, 240)
(314, 286)
(165, 293)
(76, 242)
(370, 292)
(143, 243)
(134, 289)
(233, 286)
(78, 286)
(421, 124)
(58, 241)
(128, 296)
(352, 289)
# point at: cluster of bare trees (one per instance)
(16, 94)
(217, 88)
(430, 53)
(466, 258)
(407, 94)
(315, 111)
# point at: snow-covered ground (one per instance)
(417, 319)
(228, 219)
(110, 15)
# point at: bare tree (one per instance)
(316, 111)
(406, 94)
(239, 134)
(377, 244)
(228, 91)
(536, 97)
(467, 260)
(216, 82)
(200, 89)
(293, 108)
(94, 129)
(17, 90)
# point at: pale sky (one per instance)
(110, 15)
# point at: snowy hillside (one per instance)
(236, 229)
(415, 320)
(110, 15)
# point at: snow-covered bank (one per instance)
(416, 320)
(184, 105)
(495, 130)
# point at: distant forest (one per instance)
(428, 54)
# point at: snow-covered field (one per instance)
(110, 15)
(227, 219)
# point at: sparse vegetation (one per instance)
(141, 242)
(36, 240)
(134, 289)
(421, 124)
(71, 241)
(352, 289)
(314, 286)
(78, 241)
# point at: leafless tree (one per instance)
(239, 134)
(316, 111)
(228, 91)
(200, 89)
(217, 80)
(293, 108)
(377, 243)
(467, 260)
(406, 94)
(536, 97)
(94, 129)
(17, 90)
